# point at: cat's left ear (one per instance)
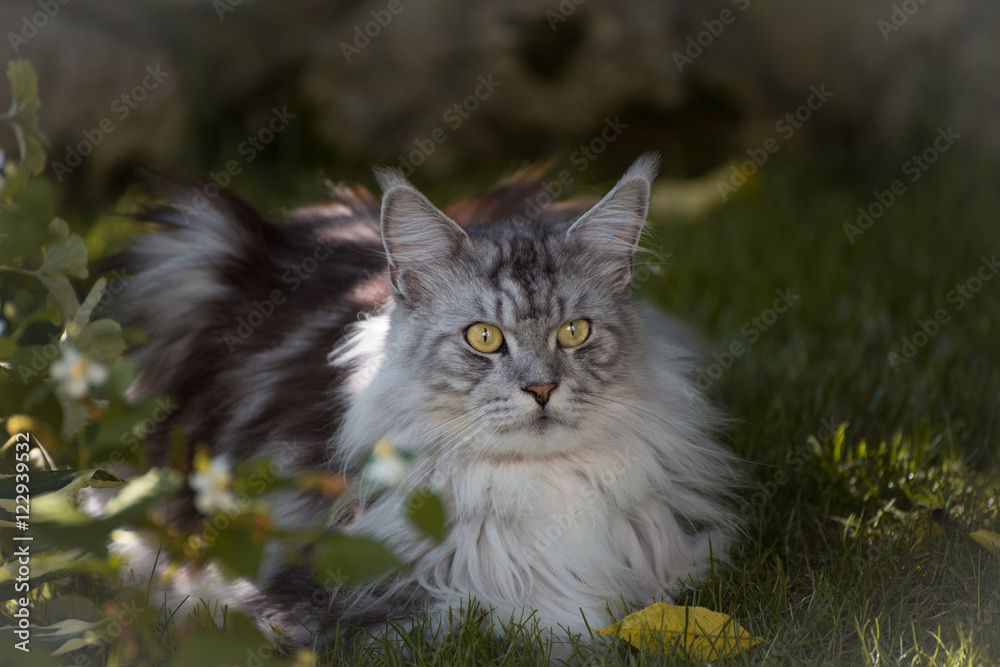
(610, 231)
(421, 242)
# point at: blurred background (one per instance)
(841, 157)
(466, 90)
(847, 151)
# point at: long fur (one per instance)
(613, 491)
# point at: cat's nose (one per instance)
(541, 391)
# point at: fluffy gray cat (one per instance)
(555, 417)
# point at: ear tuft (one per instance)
(389, 178)
(420, 241)
(645, 167)
(610, 231)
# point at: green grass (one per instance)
(857, 549)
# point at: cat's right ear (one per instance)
(421, 242)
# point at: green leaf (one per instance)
(59, 520)
(8, 348)
(242, 643)
(20, 234)
(24, 392)
(67, 254)
(54, 508)
(23, 84)
(62, 632)
(838, 442)
(236, 549)
(46, 567)
(353, 560)
(101, 340)
(425, 511)
(61, 292)
(46, 481)
(23, 115)
(124, 425)
(82, 316)
(141, 493)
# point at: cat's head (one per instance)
(515, 335)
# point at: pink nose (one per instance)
(541, 392)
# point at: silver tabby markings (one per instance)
(565, 434)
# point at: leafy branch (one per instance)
(63, 380)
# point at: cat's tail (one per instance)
(208, 254)
(216, 284)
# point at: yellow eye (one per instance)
(484, 337)
(573, 333)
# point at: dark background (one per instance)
(369, 82)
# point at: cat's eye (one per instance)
(484, 337)
(573, 333)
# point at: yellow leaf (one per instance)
(704, 634)
(988, 540)
(928, 533)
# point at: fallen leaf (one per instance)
(988, 540)
(704, 634)
(927, 533)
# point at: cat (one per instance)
(556, 417)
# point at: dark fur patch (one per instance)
(240, 315)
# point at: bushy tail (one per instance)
(239, 313)
(183, 281)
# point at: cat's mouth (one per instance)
(540, 423)
(533, 437)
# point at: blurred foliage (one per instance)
(63, 384)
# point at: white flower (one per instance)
(211, 484)
(76, 374)
(386, 466)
